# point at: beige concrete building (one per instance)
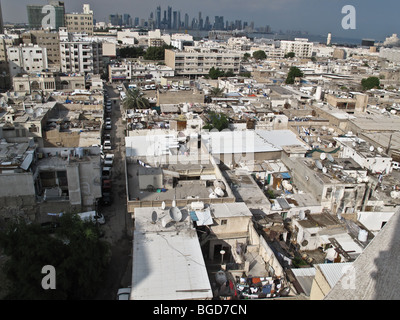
(48, 40)
(80, 22)
(356, 104)
(198, 61)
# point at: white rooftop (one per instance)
(225, 210)
(167, 261)
(230, 142)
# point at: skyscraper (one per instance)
(1, 21)
(158, 17)
(186, 21)
(174, 23)
(169, 17)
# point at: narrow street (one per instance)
(118, 227)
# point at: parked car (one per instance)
(107, 145)
(93, 216)
(107, 185)
(106, 173)
(107, 199)
(108, 160)
(50, 226)
(107, 136)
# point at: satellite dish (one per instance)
(175, 214)
(154, 217)
(163, 205)
(318, 164)
(173, 203)
(330, 158)
(371, 148)
(322, 156)
(324, 170)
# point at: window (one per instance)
(224, 222)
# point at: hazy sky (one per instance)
(374, 19)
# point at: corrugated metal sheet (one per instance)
(333, 271)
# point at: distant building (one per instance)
(80, 22)
(198, 61)
(301, 47)
(1, 21)
(367, 42)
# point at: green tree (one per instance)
(294, 72)
(74, 249)
(259, 55)
(370, 83)
(135, 100)
(290, 55)
(156, 53)
(215, 73)
(229, 73)
(131, 52)
(217, 121)
(246, 56)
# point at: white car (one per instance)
(108, 125)
(108, 160)
(107, 145)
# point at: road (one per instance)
(118, 227)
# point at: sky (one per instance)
(374, 19)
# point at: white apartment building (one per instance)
(198, 61)
(26, 59)
(128, 71)
(300, 46)
(391, 54)
(81, 56)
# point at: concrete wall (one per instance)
(320, 286)
(16, 184)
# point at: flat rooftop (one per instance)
(184, 189)
(168, 263)
(231, 142)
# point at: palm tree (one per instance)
(134, 100)
(216, 92)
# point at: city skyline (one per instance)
(373, 20)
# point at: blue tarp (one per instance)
(285, 175)
(193, 216)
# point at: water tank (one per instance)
(362, 235)
(79, 152)
(197, 205)
(219, 192)
(213, 195)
